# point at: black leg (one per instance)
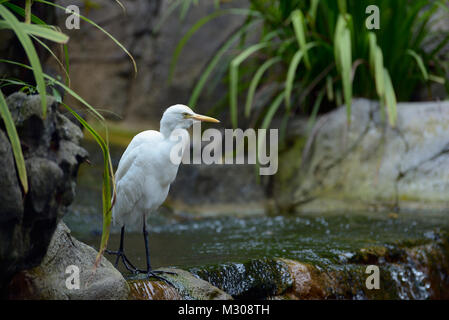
(122, 237)
(150, 272)
(121, 254)
(147, 249)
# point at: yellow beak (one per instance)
(204, 118)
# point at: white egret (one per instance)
(144, 175)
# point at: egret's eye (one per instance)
(185, 114)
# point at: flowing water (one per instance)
(184, 240)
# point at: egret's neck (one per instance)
(167, 129)
(166, 132)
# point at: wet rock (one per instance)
(48, 280)
(188, 287)
(254, 279)
(306, 284)
(152, 290)
(52, 157)
(406, 271)
(369, 165)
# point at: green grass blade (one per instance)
(291, 73)
(343, 59)
(329, 88)
(342, 6)
(30, 52)
(196, 27)
(267, 121)
(390, 99)
(15, 142)
(255, 82)
(106, 189)
(172, 7)
(315, 109)
(233, 75)
(300, 29)
(98, 27)
(272, 110)
(312, 12)
(21, 12)
(338, 98)
(67, 64)
(420, 63)
(184, 9)
(67, 89)
(379, 72)
(52, 54)
(291, 76)
(213, 63)
(437, 79)
(372, 44)
(39, 31)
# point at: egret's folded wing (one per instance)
(130, 190)
(130, 154)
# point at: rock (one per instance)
(12, 200)
(406, 270)
(306, 283)
(52, 157)
(188, 287)
(48, 280)
(144, 96)
(370, 165)
(218, 189)
(253, 279)
(152, 290)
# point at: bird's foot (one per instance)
(156, 274)
(121, 256)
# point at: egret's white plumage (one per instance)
(145, 172)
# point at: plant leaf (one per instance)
(212, 64)
(291, 72)
(106, 189)
(38, 31)
(299, 27)
(15, 143)
(98, 27)
(30, 52)
(420, 63)
(255, 81)
(390, 99)
(195, 28)
(233, 75)
(343, 59)
(20, 11)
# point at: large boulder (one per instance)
(65, 257)
(186, 286)
(52, 155)
(142, 97)
(368, 164)
(218, 189)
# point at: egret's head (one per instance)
(181, 117)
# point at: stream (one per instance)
(183, 240)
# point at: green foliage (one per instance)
(319, 52)
(15, 142)
(32, 29)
